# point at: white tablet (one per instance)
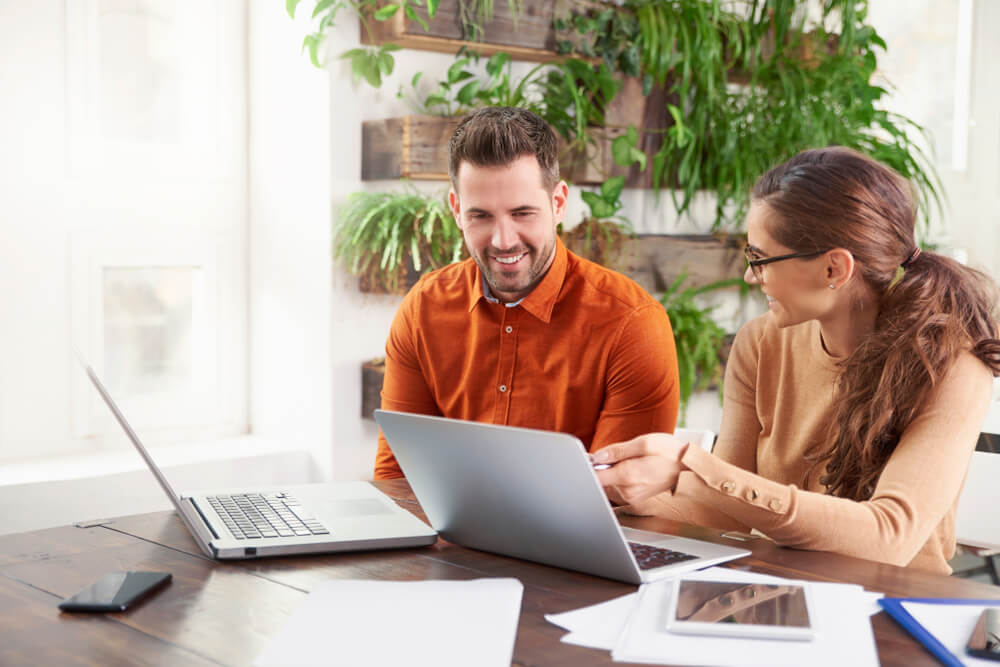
(738, 609)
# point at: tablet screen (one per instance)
(772, 605)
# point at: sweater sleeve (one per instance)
(736, 444)
(918, 486)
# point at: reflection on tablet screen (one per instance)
(744, 604)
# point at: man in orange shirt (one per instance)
(525, 333)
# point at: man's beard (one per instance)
(517, 282)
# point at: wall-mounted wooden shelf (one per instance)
(530, 37)
(416, 147)
(656, 260)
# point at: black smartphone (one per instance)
(985, 639)
(116, 591)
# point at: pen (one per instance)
(599, 466)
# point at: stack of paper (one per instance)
(401, 623)
(633, 628)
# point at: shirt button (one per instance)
(508, 328)
(774, 504)
(752, 494)
(503, 388)
(728, 486)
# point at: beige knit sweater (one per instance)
(778, 399)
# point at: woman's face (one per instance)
(796, 289)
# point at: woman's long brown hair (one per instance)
(937, 309)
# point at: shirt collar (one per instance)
(541, 301)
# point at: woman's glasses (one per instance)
(756, 263)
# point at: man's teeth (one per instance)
(509, 260)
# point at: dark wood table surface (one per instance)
(225, 613)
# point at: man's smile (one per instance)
(509, 259)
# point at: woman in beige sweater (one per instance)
(853, 406)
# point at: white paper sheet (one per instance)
(598, 625)
(951, 624)
(842, 621)
(401, 623)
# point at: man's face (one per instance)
(509, 221)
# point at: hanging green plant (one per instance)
(746, 87)
(380, 235)
(371, 63)
(374, 63)
(464, 89)
(697, 336)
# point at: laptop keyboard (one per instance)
(256, 515)
(649, 557)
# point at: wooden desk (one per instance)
(225, 613)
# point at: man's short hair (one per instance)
(497, 136)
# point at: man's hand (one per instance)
(640, 468)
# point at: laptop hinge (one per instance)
(199, 527)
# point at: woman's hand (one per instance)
(640, 468)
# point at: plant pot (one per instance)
(414, 147)
(372, 377)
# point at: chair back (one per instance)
(977, 520)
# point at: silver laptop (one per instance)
(295, 519)
(532, 495)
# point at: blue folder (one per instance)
(894, 607)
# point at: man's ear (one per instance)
(839, 267)
(560, 197)
(456, 207)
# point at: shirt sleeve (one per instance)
(642, 390)
(918, 486)
(404, 388)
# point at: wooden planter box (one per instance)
(416, 147)
(531, 37)
(656, 260)
(372, 376)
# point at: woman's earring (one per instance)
(832, 286)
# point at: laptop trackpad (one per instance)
(352, 508)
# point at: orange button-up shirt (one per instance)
(587, 352)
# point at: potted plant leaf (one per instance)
(388, 239)
(600, 236)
